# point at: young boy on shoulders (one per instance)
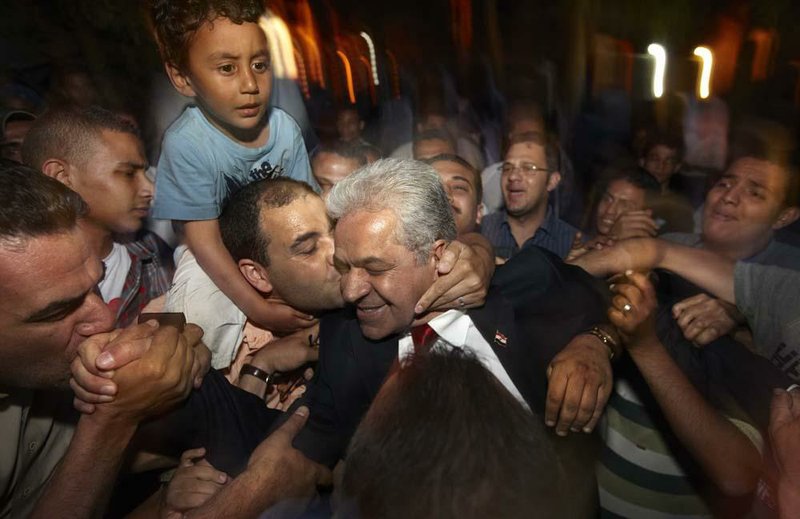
(216, 53)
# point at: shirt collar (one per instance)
(547, 225)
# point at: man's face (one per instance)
(459, 183)
(380, 276)
(432, 122)
(661, 162)
(525, 192)
(229, 74)
(744, 206)
(301, 255)
(620, 197)
(348, 125)
(428, 148)
(330, 168)
(15, 132)
(113, 181)
(47, 308)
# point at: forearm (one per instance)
(248, 495)
(727, 456)
(83, 481)
(205, 242)
(705, 269)
(150, 508)
(788, 500)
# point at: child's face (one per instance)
(229, 75)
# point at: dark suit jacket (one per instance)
(536, 301)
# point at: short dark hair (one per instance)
(771, 143)
(240, 221)
(344, 150)
(68, 132)
(444, 439)
(430, 135)
(635, 176)
(174, 22)
(33, 204)
(672, 141)
(547, 141)
(449, 157)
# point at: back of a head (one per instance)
(409, 188)
(174, 22)
(444, 439)
(240, 220)
(67, 133)
(344, 150)
(33, 204)
(431, 135)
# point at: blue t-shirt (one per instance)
(200, 167)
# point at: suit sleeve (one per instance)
(537, 282)
(324, 438)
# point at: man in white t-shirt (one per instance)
(100, 156)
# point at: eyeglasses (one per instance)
(525, 168)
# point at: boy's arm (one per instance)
(205, 241)
(726, 455)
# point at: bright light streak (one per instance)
(703, 85)
(349, 76)
(372, 61)
(280, 45)
(660, 55)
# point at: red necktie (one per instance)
(423, 336)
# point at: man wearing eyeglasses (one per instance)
(530, 172)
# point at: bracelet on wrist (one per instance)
(606, 339)
(260, 374)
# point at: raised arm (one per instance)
(705, 269)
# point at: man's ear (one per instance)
(479, 216)
(179, 80)
(437, 250)
(59, 170)
(553, 180)
(256, 275)
(787, 217)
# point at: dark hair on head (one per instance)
(344, 150)
(547, 141)
(67, 133)
(773, 143)
(668, 140)
(33, 204)
(444, 439)
(240, 221)
(449, 157)
(635, 176)
(175, 22)
(430, 135)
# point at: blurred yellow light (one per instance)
(372, 62)
(280, 45)
(704, 83)
(348, 76)
(660, 55)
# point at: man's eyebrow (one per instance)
(63, 307)
(300, 240)
(133, 165)
(373, 261)
(463, 179)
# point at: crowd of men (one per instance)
(420, 335)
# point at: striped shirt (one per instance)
(554, 234)
(638, 473)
